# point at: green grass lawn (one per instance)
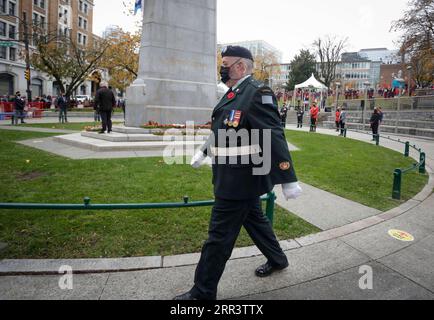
(55, 234)
(353, 169)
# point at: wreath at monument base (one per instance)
(93, 128)
(156, 125)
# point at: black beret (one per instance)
(237, 51)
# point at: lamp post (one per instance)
(367, 84)
(401, 83)
(338, 85)
(409, 69)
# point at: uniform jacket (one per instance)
(105, 100)
(259, 110)
(61, 103)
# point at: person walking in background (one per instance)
(375, 123)
(314, 113)
(300, 115)
(380, 112)
(284, 115)
(62, 104)
(342, 120)
(338, 119)
(19, 106)
(105, 102)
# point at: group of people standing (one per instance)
(341, 120)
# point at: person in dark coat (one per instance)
(19, 106)
(62, 104)
(375, 123)
(105, 102)
(300, 115)
(248, 110)
(284, 115)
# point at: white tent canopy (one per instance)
(311, 82)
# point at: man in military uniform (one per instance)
(247, 108)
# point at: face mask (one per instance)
(225, 72)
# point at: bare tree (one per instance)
(417, 40)
(329, 51)
(67, 61)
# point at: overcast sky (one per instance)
(287, 25)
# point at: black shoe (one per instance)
(101, 132)
(186, 296)
(267, 269)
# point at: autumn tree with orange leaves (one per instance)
(121, 58)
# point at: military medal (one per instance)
(237, 119)
(231, 118)
(231, 95)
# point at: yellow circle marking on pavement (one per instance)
(401, 235)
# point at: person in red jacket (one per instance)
(314, 112)
(338, 119)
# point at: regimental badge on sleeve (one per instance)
(285, 166)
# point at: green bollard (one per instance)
(87, 201)
(422, 169)
(407, 149)
(377, 139)
(397, 184)
(269, 210)
(345, 133)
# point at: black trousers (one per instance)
(342, 125)
(300, 122)
(106, 118)
(228, 216)
(375, 130)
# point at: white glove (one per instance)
(291, 190)
(198, 160)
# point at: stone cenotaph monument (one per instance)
(177, 78)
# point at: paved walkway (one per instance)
(322, 266)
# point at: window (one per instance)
(85, 25)
(12, 7)
(12, 32)
(79, 38)
(80, 22)
(84, 40)
(42, 4)
(13, 54)
(85, 8)
(2, 29)
(2, 52)
(3, 6)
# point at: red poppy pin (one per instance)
(231, 95)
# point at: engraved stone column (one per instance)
(177, 78)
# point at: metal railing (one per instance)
(399, 172)
(270, 199)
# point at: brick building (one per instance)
(73, 17)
